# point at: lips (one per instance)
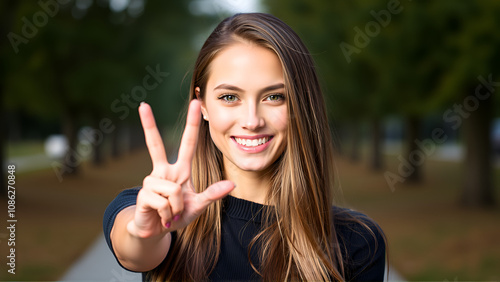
(253, 143)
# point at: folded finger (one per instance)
(153, 201)
(167, 189)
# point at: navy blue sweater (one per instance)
(363, 253)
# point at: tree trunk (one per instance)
(73, 157)
(7, 17)
(337, 134)
(136, 137)
(98, 145)
(3, 137)
(97, 154)
(355, 141)
(478, 186)
(116, 149)
(377, 136)
(413, 133)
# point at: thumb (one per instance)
(216, 192)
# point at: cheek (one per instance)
(279, 119)
(220, 122)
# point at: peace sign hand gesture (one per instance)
(167, 200)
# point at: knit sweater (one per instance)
(363, 253)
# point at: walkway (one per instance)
(98, 264)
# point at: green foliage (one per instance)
(85, 62)
(420, 60)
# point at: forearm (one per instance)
(135, 253)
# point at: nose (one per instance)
(252, 119)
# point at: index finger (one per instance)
(190, 135)
(154, 142)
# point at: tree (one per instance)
(89, 65)
(349, 75)
(6, 24)
(470, 81)
(391, 61)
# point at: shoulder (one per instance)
(124, 199)
(362, 244)
(351, 222)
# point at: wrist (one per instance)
(135, 233)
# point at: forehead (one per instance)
(245, 65)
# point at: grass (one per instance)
(431, 237)
(25, 148)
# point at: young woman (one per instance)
(250, 196)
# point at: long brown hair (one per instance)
(297, 240)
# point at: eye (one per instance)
(228, 98)
(275, 97)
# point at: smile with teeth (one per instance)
(252, 142)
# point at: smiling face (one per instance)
(245, 106)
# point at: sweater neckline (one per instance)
(243, 209)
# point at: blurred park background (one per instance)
(411, 89)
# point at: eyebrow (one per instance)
(235, 88)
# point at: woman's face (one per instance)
(245, 106)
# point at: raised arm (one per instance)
(141, 233)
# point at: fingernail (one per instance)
(142, 103)
(167, 225)
(177, 217)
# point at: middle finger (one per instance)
(190, 135)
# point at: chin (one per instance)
(256, 167)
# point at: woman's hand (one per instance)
(167, 200)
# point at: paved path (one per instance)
(98, 264)
(393, 275)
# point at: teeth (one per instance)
(252, 142)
